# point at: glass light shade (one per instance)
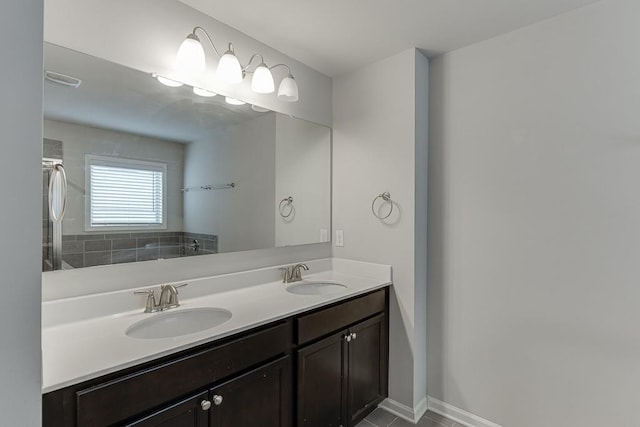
(169, 82)
(288, 90)
(259, 109)
(190, 56)
(233, 101)
(203, 92)
(229, 69)
(262, 81)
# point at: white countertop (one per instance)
(84, 337)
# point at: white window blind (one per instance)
(125, 193)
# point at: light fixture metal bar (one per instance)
(208, 38)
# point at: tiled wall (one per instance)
(87, 250)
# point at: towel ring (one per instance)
(289, 201)
(386, 196)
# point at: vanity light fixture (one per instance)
(167, 81)
(191, 54)
(203, 92)
(229, 68)
(191, 57)
(288, 90)
(262, 80)
(233, 101)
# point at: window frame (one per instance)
(92, 159)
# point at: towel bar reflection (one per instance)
(209, 187)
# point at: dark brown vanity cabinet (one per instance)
(326, 367)
(341, 378)
(185, 413)
(259, 398)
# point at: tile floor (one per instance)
(382, 418)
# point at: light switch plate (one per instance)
(340, 238)
(324, 235)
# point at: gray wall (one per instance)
(533, 222)
(379, 144)
(303, 171)
(20, 216)
(242, 217)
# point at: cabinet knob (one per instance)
(354, 335)
(205, 405)
(347, 338)
(217, 399)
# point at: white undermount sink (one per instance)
(316, 288)
(176, 323)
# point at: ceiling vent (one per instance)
(62, 79)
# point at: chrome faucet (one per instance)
(292, 273)
(168, 298)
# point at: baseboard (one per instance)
(405, 412)
(458, 415)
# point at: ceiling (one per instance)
(115, 97)
(336, 36)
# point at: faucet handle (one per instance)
(286, 274)
(151, 300)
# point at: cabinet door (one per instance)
(186, 413)
(259, 398)
(322, 383)
(367, 367)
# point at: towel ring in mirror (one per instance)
(281, 207)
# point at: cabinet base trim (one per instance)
(458, 415)
(405, 412)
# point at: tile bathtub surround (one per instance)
(87, 250)
(382, 418)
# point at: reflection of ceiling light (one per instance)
(191, 57)
(203, 92)
(233, 101)
(169, 82)
(262, 81)
(288, 90)
(259, 109)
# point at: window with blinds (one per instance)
(125, 194)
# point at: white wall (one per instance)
(146, 34)
(534, 222)
(79, 140)
(20, 216)
(379, 144)
(243, 217)
(303, 171)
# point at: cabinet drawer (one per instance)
(339, 316)
(134, 394)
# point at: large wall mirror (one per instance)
(134, 170)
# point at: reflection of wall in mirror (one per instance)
(303, 171)
(79, 140)
(243, 217)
